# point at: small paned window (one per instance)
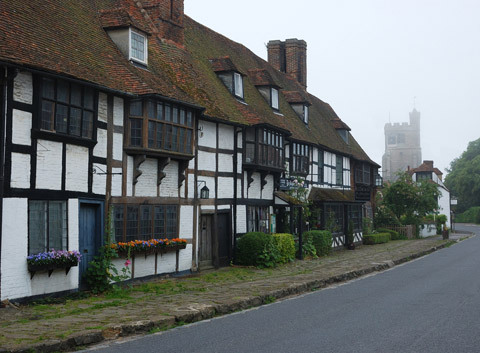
(138, 47)
(363, 174)
(264, 147)
(320, 166)
(47, 226)
(170, 127)
(334, 219)
(339, 170)
(355, 215)
(144, 222)
(424, 176)
(300, 158)
(67, 108)
(258, 219)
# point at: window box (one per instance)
(148, 247)
(52, 260)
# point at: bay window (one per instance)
(264, 147)
(169, 126)
(300, 158)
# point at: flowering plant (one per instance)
(55, 257)
(152, 244)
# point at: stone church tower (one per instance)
(402, 147)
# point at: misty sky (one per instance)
(370, 58)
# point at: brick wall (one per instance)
(290, 57)
(168, 18)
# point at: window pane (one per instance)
(48, 88)
(145, 222)
(159, 111)
(249, 152)
(159, 135)
(189, 118)
(87, 125)
(188, 148)
(138, 46)
(174, 145)
(37, 227)
(132, 223)
(181, 140)
(182, 116)
(118, 223)
(168, 137)
(151, 134)
(159, 222)
(57, 224)
(238, 85)
(76, 95)
(63, 92)
(305, 114)
(61, 118)
(171, 231)
(175, 114)
(75, 121)
(151, 109)
(47, 115)
(135, 132)
(88, 99)
(168, 116)
(136, 108)
(274, 98)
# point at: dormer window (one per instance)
(138, 47)
(266, 85)
(231, 77)
(271, 95)
(343, 134)
(274, 98)
(299, 104)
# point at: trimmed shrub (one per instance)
(394, 235)
(376, 238)
(320, 239)
(257, 249)
(286, 246)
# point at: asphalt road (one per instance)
(428, 305)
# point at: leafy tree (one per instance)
(406, 202)
(463, 179)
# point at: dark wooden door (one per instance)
(89, 236)
(206, 241)
(224, 239)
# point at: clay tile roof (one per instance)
(339, 124)
(223, 64)
(426, 166)
(120, 18)
(295, 97)
(326, 195)
(261, 77)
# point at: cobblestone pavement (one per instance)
(163, 303)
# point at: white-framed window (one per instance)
(238, 84)
(274, 98)
(138, 47)
(305, 114)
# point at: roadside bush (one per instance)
(394, 235)
(376, 238)
(320, 239)
(472, 215)
(308, 249)
(286, 246)
(257, 249)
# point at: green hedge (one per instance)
(376, 238)
(394, 235)
(320, 239)
(286, 246)
(257, 249)
(472, 215)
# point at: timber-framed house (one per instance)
(134, 110)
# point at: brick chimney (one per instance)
(290, 57)
(168, 18)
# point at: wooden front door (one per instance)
(224, 239)
(89, 235)
(205, 255)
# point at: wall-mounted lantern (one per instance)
(378, 181)
(204, 192)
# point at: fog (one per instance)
(370, 58)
